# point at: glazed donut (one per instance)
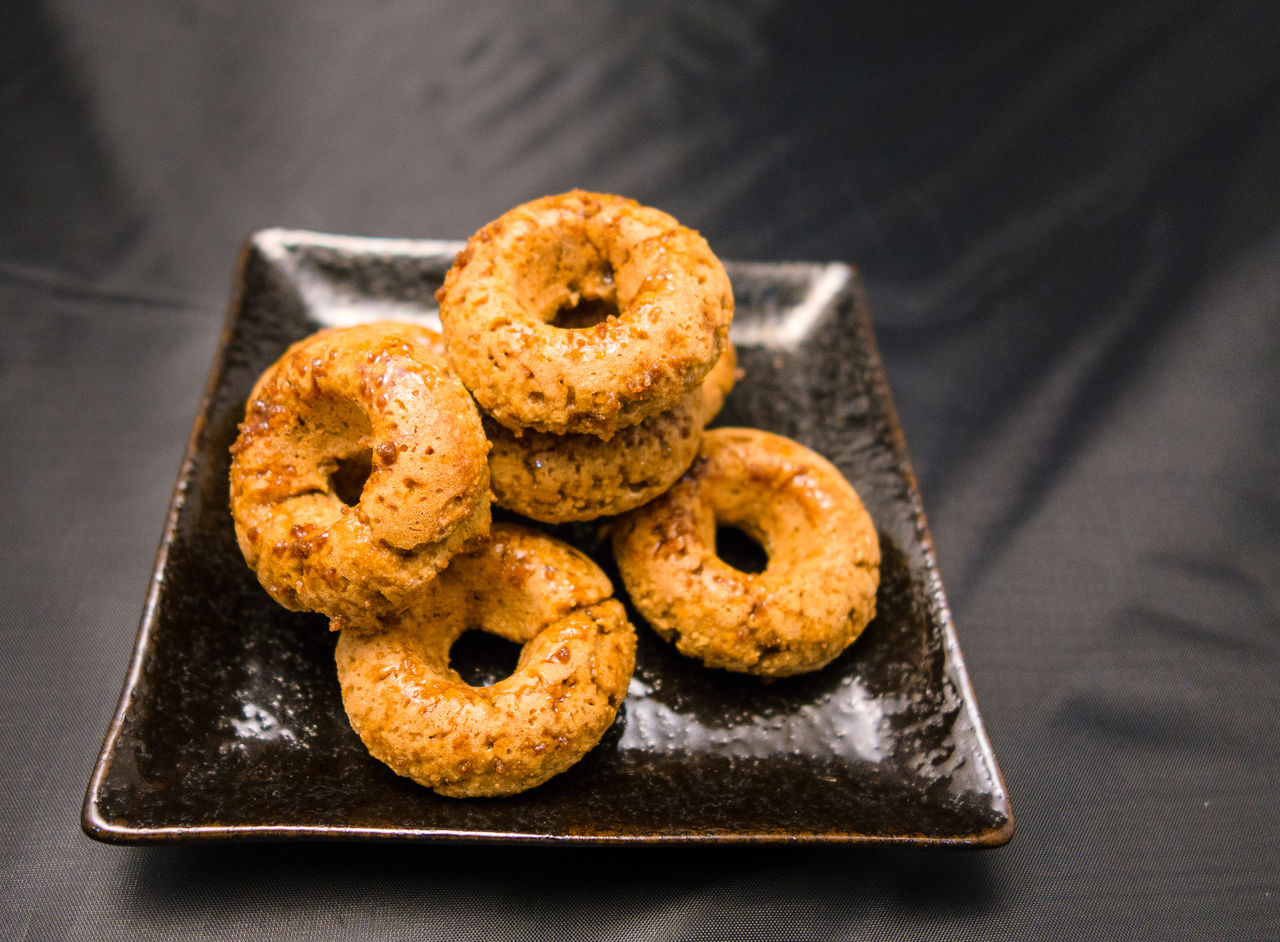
(415, 714)
(506, 288)
(372, 395)
(560, 478)
(818, 590)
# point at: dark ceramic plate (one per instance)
(231, 724)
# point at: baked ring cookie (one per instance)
(345, 402)
(414, 713)
(818, 590)
(560, 478)
(501, 298)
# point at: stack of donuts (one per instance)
(593, 333)
(584, 350)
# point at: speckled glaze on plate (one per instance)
(231, 727)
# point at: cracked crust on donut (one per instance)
(374, 402)
(817, 592)
(415, 714)
(671, 299)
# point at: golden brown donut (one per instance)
(673, 307)
(416, 714)
(559, 478)
(818, 590)
(343, 400)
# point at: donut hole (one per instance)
(587, 313)
(350, 475)
(740, 550)
(482, 659)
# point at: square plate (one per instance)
(231, 725)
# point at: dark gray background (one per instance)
(1068, 222)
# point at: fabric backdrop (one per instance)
(1067, 217)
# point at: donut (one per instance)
(561, 478)
(416, 715)
(338, 405)
(810, 602)
(667, 297)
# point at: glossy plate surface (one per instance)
(231, 725)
